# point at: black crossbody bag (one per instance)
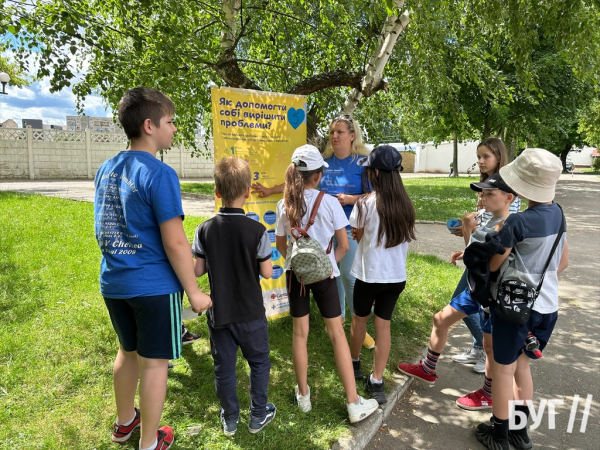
(515, 298)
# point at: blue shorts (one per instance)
(151, 326)
(509, 338)
(465, 304)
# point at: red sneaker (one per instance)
(165, 438)
(122, 433)
(475, 401)
(416, 370)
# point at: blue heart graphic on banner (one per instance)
(295, 117)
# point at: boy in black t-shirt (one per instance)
(235, 250)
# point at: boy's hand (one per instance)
(200, 302)
(456, 256)
(468, 224)
(457, 231)
(357, 234)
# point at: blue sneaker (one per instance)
(229, 426)
(256, 425)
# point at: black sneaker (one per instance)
(485, 435)
(229, 426)
(187, 337)
(358, 375)
(256, 425)
(520, 440)
(376, 390)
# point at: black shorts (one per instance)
(324, 292)
(149, 325)
(382, 297)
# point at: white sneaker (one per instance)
(362, 409)
(480, 366)
(303, 400)
(469, 356)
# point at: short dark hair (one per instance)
(139, 104)
(232, 178)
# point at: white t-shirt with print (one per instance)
(372, 263)
(330, 217)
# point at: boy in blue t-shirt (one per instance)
(529, 235)
(146, 264)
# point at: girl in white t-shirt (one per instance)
(301, 178)
(383, 222)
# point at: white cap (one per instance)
(533, 175)
(308, 157)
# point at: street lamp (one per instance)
(4, 78)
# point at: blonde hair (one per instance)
(358, 146)
(232, 178)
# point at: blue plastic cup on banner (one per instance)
(277, 272)
(271, 234)
(253, 216)
(270, 217)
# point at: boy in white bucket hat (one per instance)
(529, 236)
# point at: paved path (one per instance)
(426, 417)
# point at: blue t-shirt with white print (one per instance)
(135, 193)
(343, 176)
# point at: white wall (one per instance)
(45, 154)
(437, 159)
(581, 157)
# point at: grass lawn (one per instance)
(57, 346)
(198, 188)
(434, 198)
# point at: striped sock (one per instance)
(487, 387)
(430, 362)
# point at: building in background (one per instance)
(34, 123)
(97, 124)
(9, 123)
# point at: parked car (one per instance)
(569, 166)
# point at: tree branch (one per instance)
(337, 78)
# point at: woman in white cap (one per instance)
(294, 211)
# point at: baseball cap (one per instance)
(383, 157)
(533, 174)
(308, 157)
(494, 181)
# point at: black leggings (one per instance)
(381, 296)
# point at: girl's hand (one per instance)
(346, 199)
(357, 234)
(456, 256)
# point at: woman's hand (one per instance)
(357, 233)
(456, 256)
(261, 190)
(346, 199)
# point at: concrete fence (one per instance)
(45, 154)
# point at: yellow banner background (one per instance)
(263, 128)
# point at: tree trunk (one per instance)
(564, 154)
(455, 156)
(512, 150)
(392, 28)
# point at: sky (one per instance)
(37, 102)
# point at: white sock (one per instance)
(355, 360)
(373, 380)
(128, 423)
(152, 447)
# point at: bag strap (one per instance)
(556, 241)
(314, 210)
(313, 214)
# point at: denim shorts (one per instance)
(509, 338)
